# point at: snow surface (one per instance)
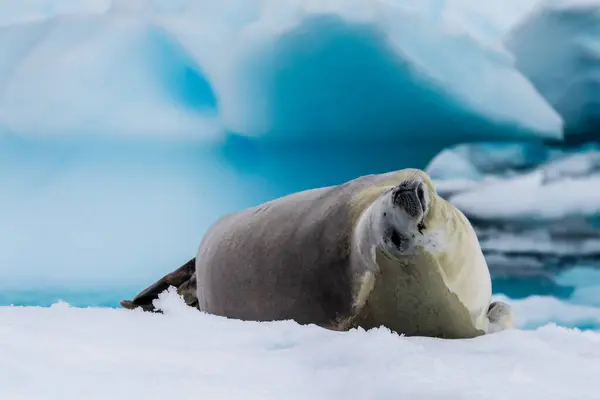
(70, 353)
(301, 68)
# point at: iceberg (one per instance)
(128, 127)
(567, 186)
(558, 48)
(536, 208)
(294, 70)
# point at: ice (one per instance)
(95, 214)
(558, 48)
(535, 312)
(536, 208)
(519, 198)
(98, 75)
(69, 353)
(128, 127)
(569, 186)
(484, 161)
(299, 69)
(586, 283)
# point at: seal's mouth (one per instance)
(411, 196)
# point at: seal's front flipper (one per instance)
(183, 278)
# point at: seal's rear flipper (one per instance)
(183, 278)
(500, 316)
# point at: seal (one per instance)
(379, 250)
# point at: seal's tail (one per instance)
(183, 278)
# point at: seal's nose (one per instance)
(410, 196)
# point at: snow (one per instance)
(71, 353)
(265, 69)
(127, 127)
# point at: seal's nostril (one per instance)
(421, 196)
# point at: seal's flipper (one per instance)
(183, 278)
(500, 316)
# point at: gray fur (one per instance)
(286, 259)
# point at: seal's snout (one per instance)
(411, 196)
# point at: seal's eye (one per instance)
(396, 238)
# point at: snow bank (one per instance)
(305, 68)
(68, 353)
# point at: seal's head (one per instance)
(408, 221)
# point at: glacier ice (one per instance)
(127, 127)
(300, 69)
(480, 161)
(585, 282)
(558, 48)
(96, 213)
(534, 216)
(99, 75)
(571, 182)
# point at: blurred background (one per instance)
(128, 127)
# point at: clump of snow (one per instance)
(60, 304)
(72, 353)
(169, 302)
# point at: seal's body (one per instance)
(380, 250)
